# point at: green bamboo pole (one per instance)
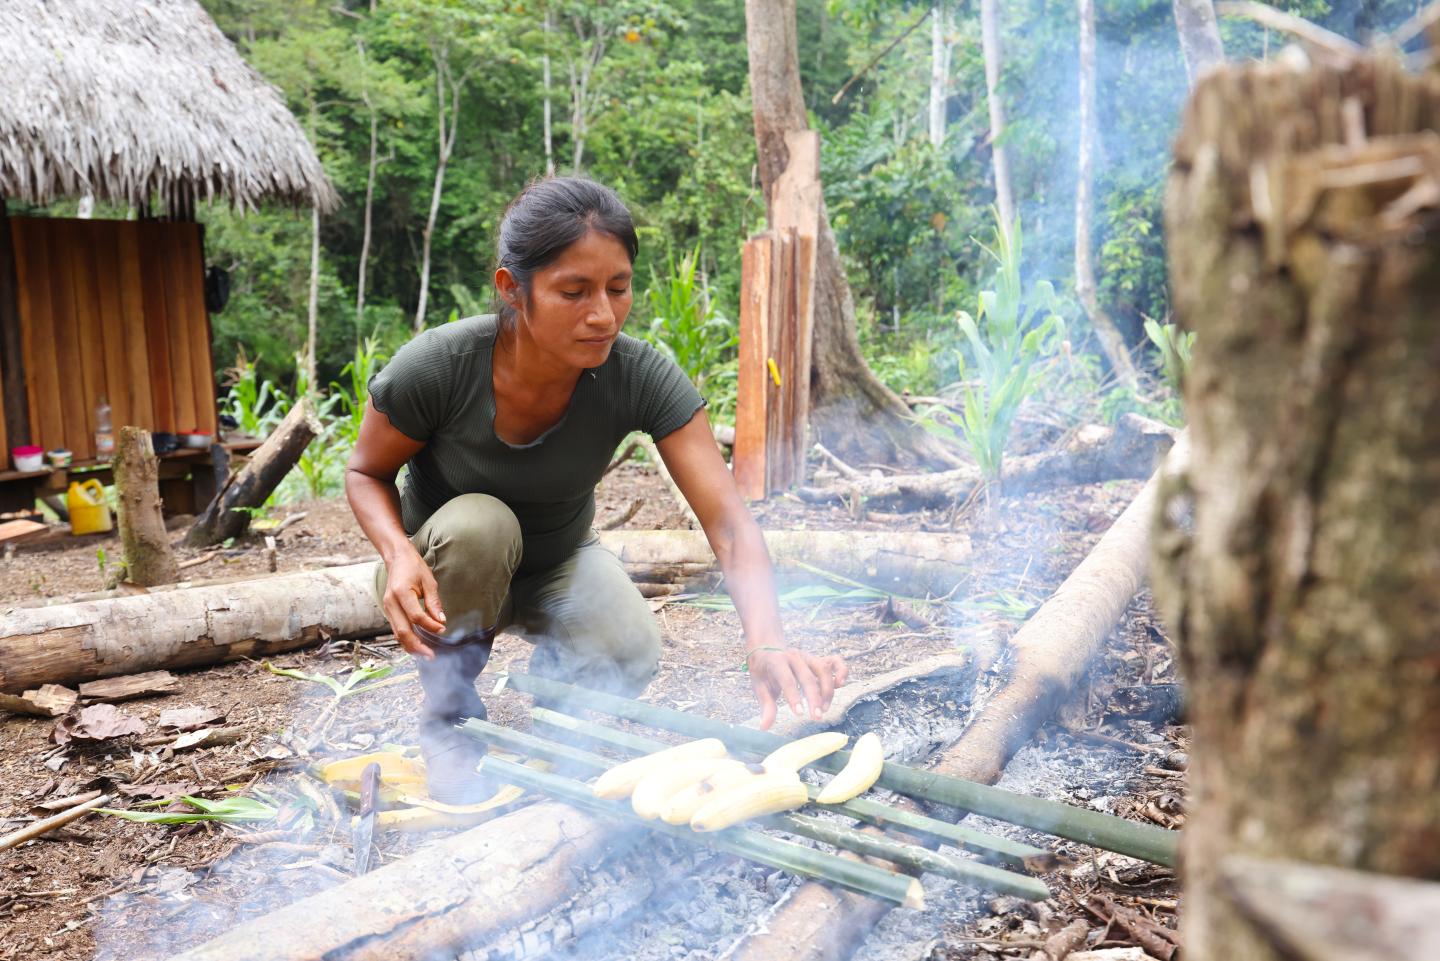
(905, 855)
(913, 857)
(774, 852)
(1142, 841)
(869, 811)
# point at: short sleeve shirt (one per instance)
(438, 390)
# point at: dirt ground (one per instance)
(109, 888)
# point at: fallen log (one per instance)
(1096, 453)
(442, 900)
(226, 515)
(184, 628)
(1053, 651)
(178, 628)
(1312, 912)
(898, 562)
(149, 558)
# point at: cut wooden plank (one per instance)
(157, 328)
(202, 359)
(84, 237)
(186, 285)
(14, 411)
(134, 334)
(59, 241)
(748, 458)
(165, 253)
(19, 530)
(111, 320)
(37, 332)
(114, 689)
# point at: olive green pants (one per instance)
(589, 624)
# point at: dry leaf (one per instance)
(99, 722)
(159, 791)
(190, 718)
(209, 737)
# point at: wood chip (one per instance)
(114, 689)
(209, 737)
(190, 718)
(48, 700)
(1112, 954)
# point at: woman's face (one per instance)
(578, 302)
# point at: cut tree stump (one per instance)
(149, 559)
(1297, 562)
(226, 516)
(1053, 651)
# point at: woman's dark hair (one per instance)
(547, 217)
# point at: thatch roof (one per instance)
(130, 100)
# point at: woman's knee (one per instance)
(474, 524)
(472, 546)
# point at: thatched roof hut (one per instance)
(133, 100)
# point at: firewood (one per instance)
(225, 516)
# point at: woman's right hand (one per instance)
(412, 598)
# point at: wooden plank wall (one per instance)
(114, 308)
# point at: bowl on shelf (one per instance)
(163, 442)
(59, 457)
(195, 440)
(28, 458)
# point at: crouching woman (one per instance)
(506, 424)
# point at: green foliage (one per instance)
(354, 684)
(1174, 346)
(237, 809)
(686, 326)
(1009, 339)
(256, 404)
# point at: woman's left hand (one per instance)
(801, 679)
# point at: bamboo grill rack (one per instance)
(1146, 842)
(908, 856)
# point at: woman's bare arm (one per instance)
(699, 471)
(411, 594)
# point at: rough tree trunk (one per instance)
(225, 516)
(851, 411)
(940, 52)
(1000, 160)
(447, 85)
(370, 169)
(1111, 341)
(1299, 556)
(545, 69)
(148, 557)
(1199, 36)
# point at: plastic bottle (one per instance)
(104, 434)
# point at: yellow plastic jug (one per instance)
(89, 514)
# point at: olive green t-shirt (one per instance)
(437, 389)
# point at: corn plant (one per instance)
(1009, 338)
(1174, 346)
(257, 405)
(686, 327)
(354, 388)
